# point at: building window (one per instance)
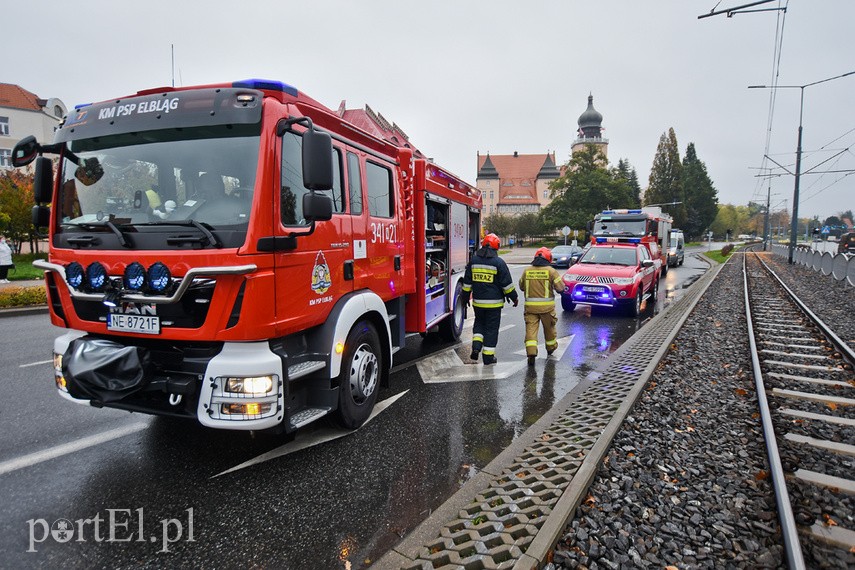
(57, 112)
(491, 195)
(4, 126)
(546, 193)
(5, 158)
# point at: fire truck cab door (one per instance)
(311, 277)
(377, 231)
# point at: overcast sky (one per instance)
(461, 76)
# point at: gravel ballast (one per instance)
(686, 482)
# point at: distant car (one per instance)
(565, 255)
(847, 243)
(612, 275)
(676, 252)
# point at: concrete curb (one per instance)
(22, 311)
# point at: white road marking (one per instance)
(318, 437)
(40, 362)
(66, 448)
(446, 366)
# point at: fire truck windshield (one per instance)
(205, 177)
(620, 227)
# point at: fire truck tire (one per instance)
(654, 292)
(635, 308)
(567, 304)
(359, 382)
(451, 327)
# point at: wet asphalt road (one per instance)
(340, 503)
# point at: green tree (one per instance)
(16, 203)
(701, 196)
(665, 186)
(730, 217)
(587, 187)
(527, 225)
(625, 171)
(499, 224)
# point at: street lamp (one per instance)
(794, 224)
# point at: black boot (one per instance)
(489, 359)
(531, 358)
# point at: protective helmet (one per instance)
(492, 240)
(545, 253)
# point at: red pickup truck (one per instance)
(612, 275)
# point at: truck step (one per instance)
(303, 368)
(307, 416)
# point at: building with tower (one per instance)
(513, 184)
(591, 130)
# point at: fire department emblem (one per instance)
(321, 279)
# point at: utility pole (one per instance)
(794, 226)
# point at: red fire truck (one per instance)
(242, 254)
(649, 226)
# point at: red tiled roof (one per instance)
(18, 98)
(517, 176)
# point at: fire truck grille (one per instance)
(595, 279)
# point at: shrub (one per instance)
(725, 251)
(22, 297)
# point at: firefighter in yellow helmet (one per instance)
(539, 283)
(489, 282)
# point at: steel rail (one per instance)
(789, 530)
(845, 349)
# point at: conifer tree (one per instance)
(666, 181)
(701, 195)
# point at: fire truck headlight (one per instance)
(134, 276)
(623, 280)
(255, 385)
(96, 276)
(61, 383)
(159, 277)
(74, 274)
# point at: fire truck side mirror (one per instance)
(40, 216)
(317, 207)
(43, 181)
(317, 160)
(25, 151)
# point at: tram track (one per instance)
(806, 394)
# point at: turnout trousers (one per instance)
(532, 324)
(485, 330)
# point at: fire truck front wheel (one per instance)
(359, 382)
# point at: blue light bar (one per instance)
(268, 84)
(634, 240)
(634, 212)
(82, 106)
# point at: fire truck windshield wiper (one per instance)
(202, 227)
(102, 224)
